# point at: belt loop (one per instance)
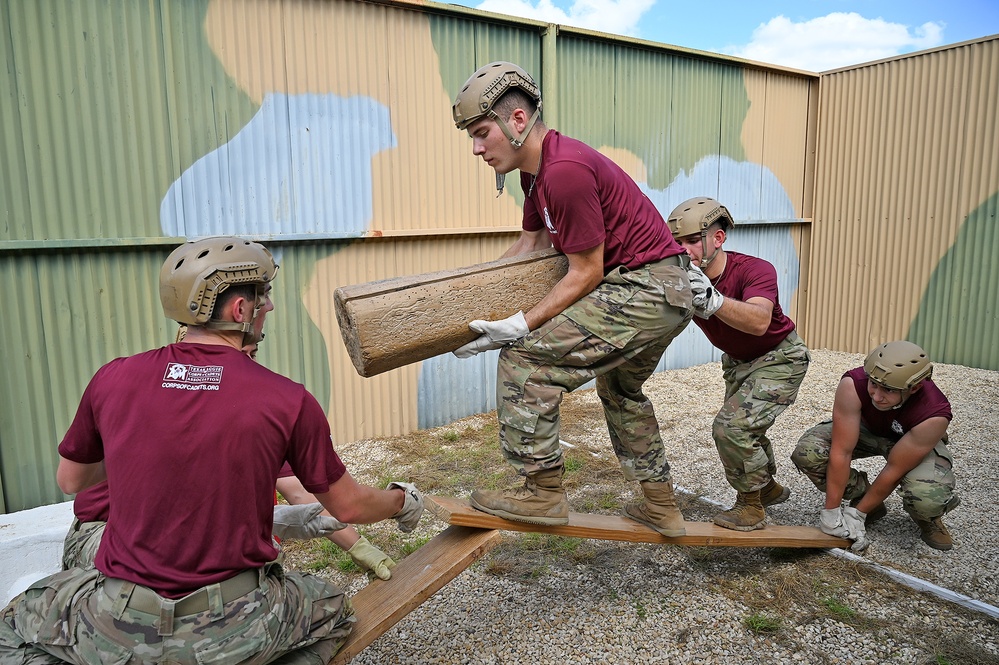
(215, 601)
(166, 617)
(119, 604)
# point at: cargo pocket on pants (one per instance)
(244, 643)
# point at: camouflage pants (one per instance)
(616, 334)
(927, 490)
(81, 543)
(68, 617)
(756, 392)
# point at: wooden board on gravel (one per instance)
(613, 527)
(382, 603)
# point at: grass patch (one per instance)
(838, 610)
(762, 624)
(527, 556)
(320, 554)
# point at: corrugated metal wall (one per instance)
(907, 182)
(323, 127)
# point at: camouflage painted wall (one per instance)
(906, 199)
(323, 128)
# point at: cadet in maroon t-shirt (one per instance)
(891, 408)
(625, 297)
(764, 360)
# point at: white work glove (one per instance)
(706, 298)
(303, 522)
(412, 508)
(371, 559)
(855, 522)
(831, 522)
(495, 334)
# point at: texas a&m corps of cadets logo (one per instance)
(192, 377)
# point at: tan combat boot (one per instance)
(935, 534)
(540, 500)
(774, 493)
(747, 513)
(658, 509)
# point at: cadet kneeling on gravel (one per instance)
(889, 407)
(736, 306)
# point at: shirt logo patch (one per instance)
(897, 427)
(192, 377)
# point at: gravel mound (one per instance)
(670, 604)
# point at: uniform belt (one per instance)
(144, 599)
(681, 260)
(792, 339)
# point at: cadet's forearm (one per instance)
(748, 317)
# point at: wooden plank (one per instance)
(614, 527)
(382, 603)
(395, 322)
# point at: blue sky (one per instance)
(815, 35)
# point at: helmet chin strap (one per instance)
(249, 335)
(515, 141)
(705, 260)
(906, 394)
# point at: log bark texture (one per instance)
(394, 322)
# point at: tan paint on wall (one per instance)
(430, 180)
(629, 161)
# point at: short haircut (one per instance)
(247, 291)
(512, 100)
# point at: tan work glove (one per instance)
(371, 559)
(495, 335)
(303, 522)
(412, 507)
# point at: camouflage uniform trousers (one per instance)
(927, 490)
(616, 334)
(68, 617)
(81, 543)
(756, 392)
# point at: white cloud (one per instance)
(615, 16)
(837, 40)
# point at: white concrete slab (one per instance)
(31, 546)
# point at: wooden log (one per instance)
(382, 603)
(395, 322)
(612, 527)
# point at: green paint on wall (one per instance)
(113, 101)
(616, 95)
(959, 312)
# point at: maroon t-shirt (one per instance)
(583, 199)
(193, 436)
(928, 403)
(91, 505)
(747, 277)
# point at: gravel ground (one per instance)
(669, 604)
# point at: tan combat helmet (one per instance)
(695, 216)
(481, 92)
(898, 365)
(195, 273)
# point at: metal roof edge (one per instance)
(914, 54)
